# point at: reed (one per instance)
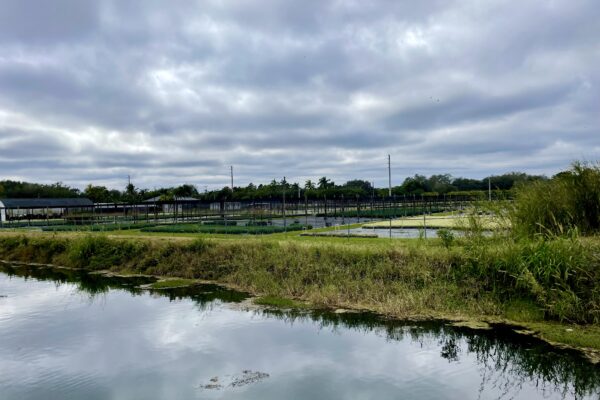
(472, 277)
(567, 204)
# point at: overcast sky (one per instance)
(175, 91)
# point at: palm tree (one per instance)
(323, 182)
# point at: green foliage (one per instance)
(15, 189)
(257, 223)
(446, 236)
(101, 194)
(199, 245)
(568, 203)
(557, 278)
(99, 252)
(98, 227)
(560, 276)
(220, 222)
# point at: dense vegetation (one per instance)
(14, 189)
(416, 185)
(569, 203)
(557, 279)
(546, 268)
(98, 227)
(323, 188)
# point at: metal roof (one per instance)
(43, 203)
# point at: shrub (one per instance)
(220, 223)
(446, 236)
(569, 202)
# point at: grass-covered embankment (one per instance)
(532, 281)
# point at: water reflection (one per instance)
(309, 354)
(507, 359)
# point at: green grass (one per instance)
(522, 310)
(34, 223)
(528, 281)
(579, 336)
(98, 227)
(569, 203)
(220, 222)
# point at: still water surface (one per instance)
(69, 335)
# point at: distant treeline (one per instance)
(323, 187)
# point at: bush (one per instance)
(446, 236)
(257, 223)
(220, 223)
(560, 275)
(98, 227)
(569, 202)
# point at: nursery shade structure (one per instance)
(25, 207)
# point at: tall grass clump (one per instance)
(568, 202)
(559, 275)
(99, 252)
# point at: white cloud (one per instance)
(94, 91)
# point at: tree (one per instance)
(185, 191)
(325, 183)
(415, 185)
(361, 184)
(97, 194)
(131, 194)
(440, 183)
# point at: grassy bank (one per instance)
(533, 282)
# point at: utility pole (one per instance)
(283, 208)
(390, 189)
(231, 168)
(389, 176)
(490, 188)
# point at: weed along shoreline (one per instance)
(474, 284)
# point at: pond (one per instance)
(70, 335)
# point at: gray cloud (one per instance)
(91, 91)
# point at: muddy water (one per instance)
(69, 335)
